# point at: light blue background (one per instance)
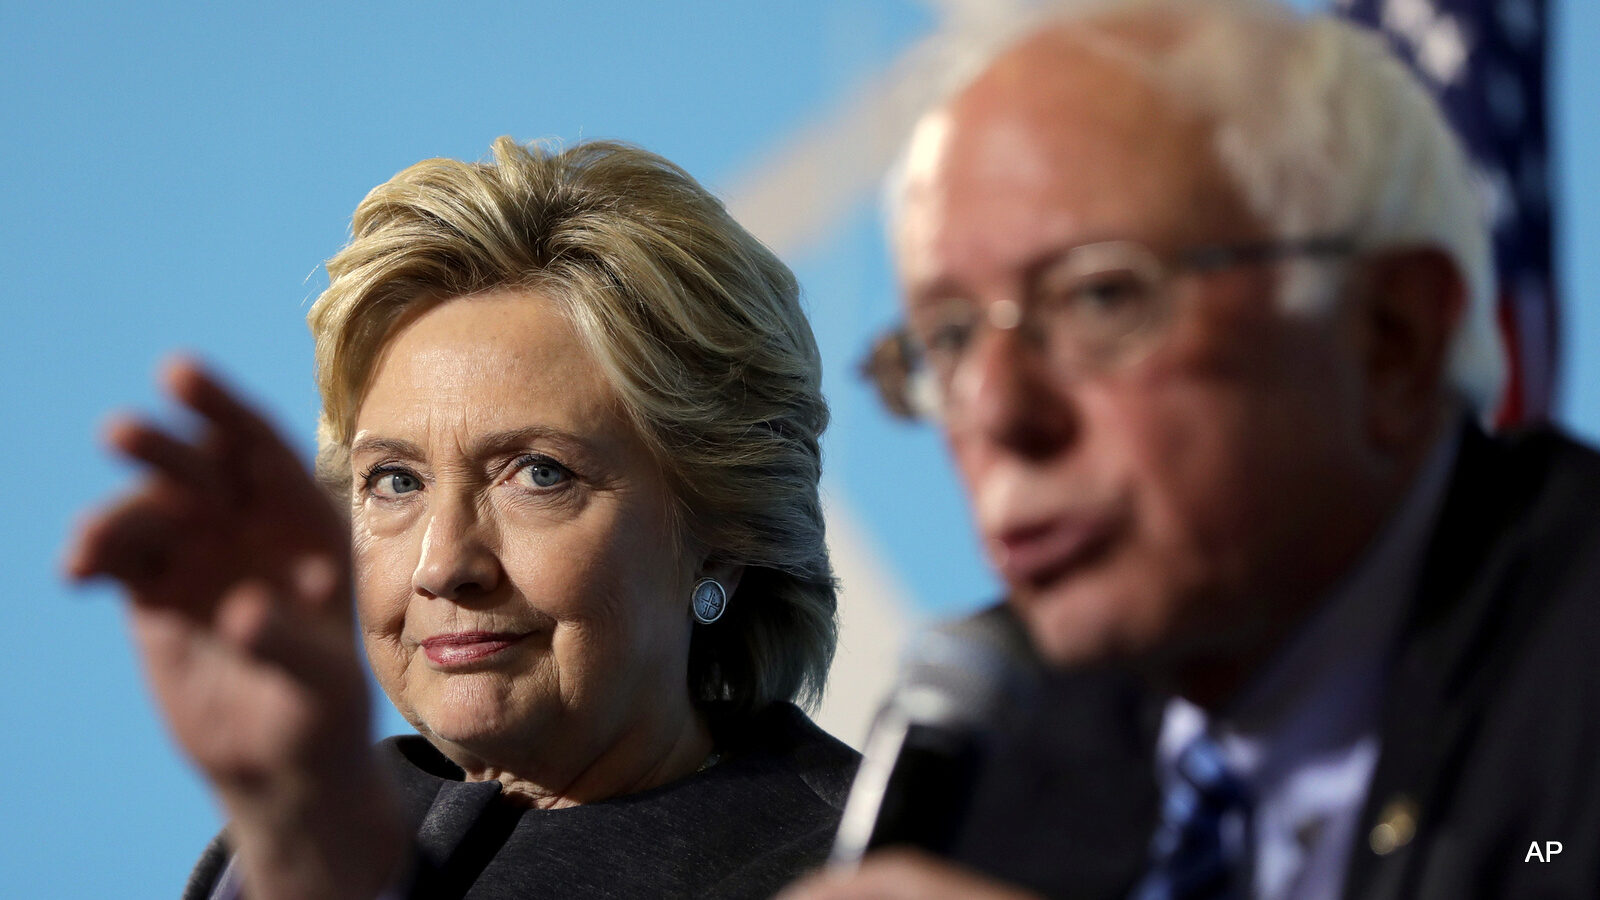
(172, 173)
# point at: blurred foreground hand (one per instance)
(236, 567)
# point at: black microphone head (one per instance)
(973, 672)
(960, 686)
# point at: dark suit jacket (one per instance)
(742, 828)
(1490, 728)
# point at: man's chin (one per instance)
(1070, 630)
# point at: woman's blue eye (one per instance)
(543, 473)
(393, 483)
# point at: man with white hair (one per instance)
(1200, 296)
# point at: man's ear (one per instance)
(1411, 300)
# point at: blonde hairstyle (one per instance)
(698, 328)
(1323, 130)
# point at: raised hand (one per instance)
(236, 566)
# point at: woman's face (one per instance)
(522, 599)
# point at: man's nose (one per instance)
(1006, 394)
(457, 561)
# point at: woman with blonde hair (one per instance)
(571, 411)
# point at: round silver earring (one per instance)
(709, 599)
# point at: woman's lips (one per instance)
(1039, 553)
(465, 648)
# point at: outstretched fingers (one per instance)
(132, 540)
(205, 393)
(252, 461)
(136, 539)
(184, 464)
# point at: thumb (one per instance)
(310, 648)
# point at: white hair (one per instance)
(1322, 129)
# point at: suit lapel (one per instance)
(1450, 655)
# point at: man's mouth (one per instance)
(1038, 553)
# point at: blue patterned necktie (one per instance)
(1189, 857)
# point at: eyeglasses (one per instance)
(1095, 308)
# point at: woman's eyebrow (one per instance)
(483, 445)
(518, 438)
(386, 447)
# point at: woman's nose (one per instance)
(457, 561)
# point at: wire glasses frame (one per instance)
(1092, 309)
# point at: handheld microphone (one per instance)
(960, 688)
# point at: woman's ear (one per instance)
(726, 574)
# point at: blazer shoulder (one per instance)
(825, 764)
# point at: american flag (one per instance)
(1485, 60)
